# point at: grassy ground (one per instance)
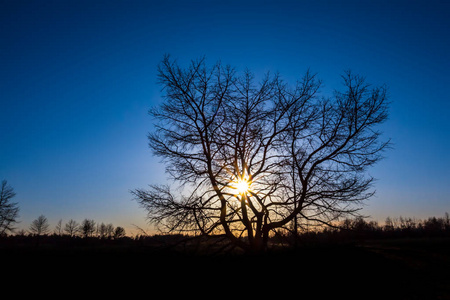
(377, 269)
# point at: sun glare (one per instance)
(242, 186)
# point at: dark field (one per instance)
(402, 268)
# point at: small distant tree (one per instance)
(109, 230)
(58, 228)
(72, 227)
(40, 226)
(101, 230)
(87, 227)
(119, 232)
(105, 230)
(389, 224)
(9, 211)
(407, 224)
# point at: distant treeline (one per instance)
(349, 227)
(75, 236)
(88, 228)
(360, 228)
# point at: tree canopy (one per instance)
(254, 157)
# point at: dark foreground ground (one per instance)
(378, 269)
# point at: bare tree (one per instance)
(9, 211)
(87, 227)
(119, 232)
(40, 226)
(106, 230)
(109, 230)
(72, 228)
(101, 230)
(254, 158)
(58, 228)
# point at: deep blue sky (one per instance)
(78, 77)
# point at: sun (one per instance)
(242, 185)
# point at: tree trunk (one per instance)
(258, 244)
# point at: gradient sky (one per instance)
(78, 77)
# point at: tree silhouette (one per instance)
(72, 228)
(58, 228)
(40, 226)
(105, 230)
(119, 232)
(87, 227)
(254, 158)
(9, 211)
